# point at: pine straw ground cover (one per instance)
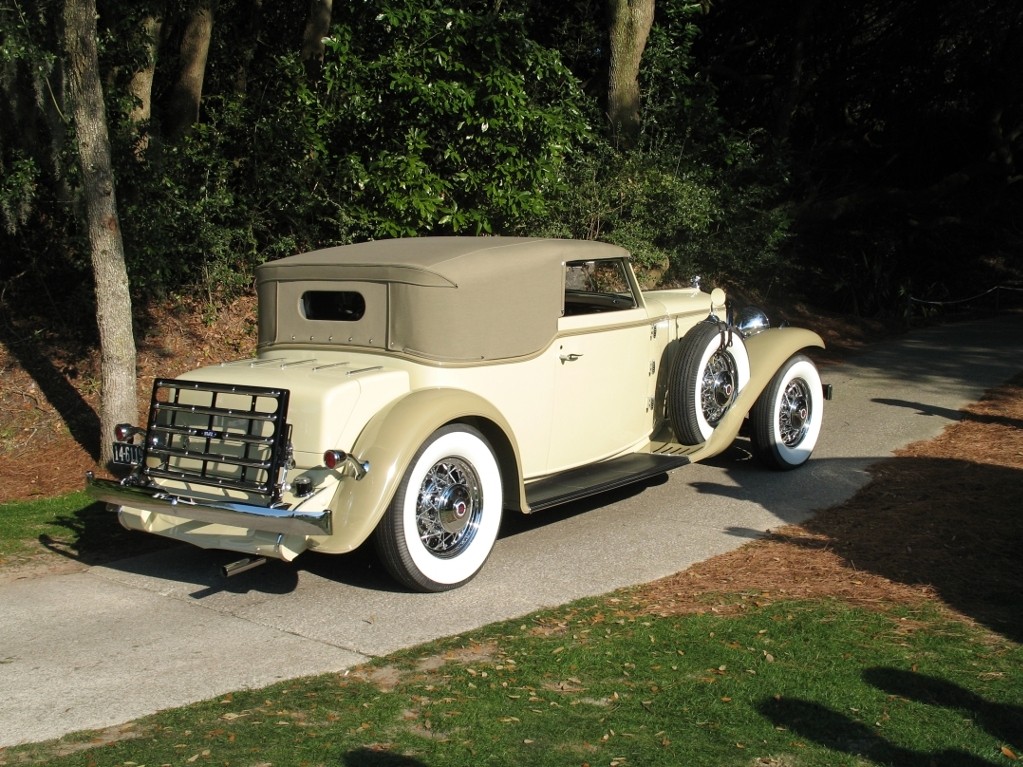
(941, 522)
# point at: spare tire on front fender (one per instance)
(709, 369)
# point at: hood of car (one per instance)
(685, 301)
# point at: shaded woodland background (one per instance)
(852, 153)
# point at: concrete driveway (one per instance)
(104, 645)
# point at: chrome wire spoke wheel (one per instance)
(443, 520)
(785, 421)
(795, 413)
(709, 368)
(719, 387)
(449, 508)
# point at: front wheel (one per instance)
(442, 523)
(786, 419)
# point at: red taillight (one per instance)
(123, 431)
(334, 458)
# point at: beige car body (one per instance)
(478, 331)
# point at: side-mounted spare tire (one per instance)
(709, 369)
(786, 420)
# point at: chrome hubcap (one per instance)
(449, 507)
(718, 387)
(794, 414)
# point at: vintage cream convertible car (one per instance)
(411, 391)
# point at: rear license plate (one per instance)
(126, 454)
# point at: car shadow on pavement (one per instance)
(514, 523)
(95, 537)
(948, 414)
(198, 573)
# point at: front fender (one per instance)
(388, 443)
(767, 352)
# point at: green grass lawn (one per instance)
(25, 526)
(801, 683)
(70, 525)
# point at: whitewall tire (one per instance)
(444, 518)
(709, 370)
(786, 420)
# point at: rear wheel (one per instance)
(443, 521)
(786, 420)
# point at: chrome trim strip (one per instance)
(231, 513)
(296, 363)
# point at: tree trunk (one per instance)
(248, 40)
(141, 86)
(113, 301)
(317, 27)
(183, 104)
(630, 23)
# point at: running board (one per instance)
(596, 478)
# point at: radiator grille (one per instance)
(227, 436)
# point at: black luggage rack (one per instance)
(222, 435)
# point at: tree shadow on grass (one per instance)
(366, 757)
(1002, 721)
(953, 528)
(839, 732)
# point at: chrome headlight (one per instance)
(750, 321)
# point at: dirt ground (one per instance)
(940, 523)
(50, 382)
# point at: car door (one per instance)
(602, 366)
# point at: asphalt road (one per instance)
(104, 645)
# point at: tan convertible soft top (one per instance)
(445, 298)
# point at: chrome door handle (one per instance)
(569, 358)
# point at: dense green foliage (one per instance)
(421, 120)
(697, 197)
(864, 152)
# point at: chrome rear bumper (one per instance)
(231, 513)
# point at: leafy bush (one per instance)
(19, 179)
(423, 119)
(186, 214)
(438, 120)
(695, 198)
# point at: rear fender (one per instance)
(388, 443)
(768, 351)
